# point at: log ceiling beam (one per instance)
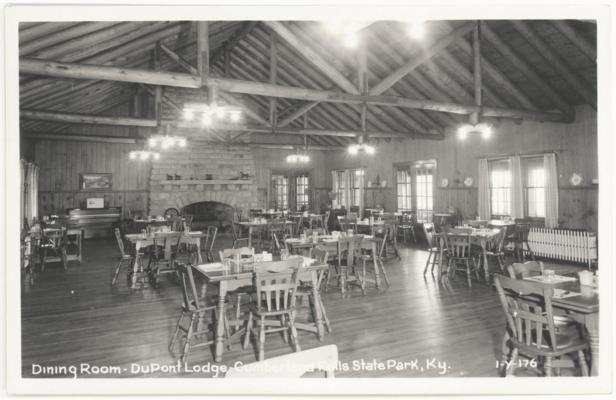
(82, 71)
(79, 138)
(203, 50)
(152, 123)
(55, 116)
(585, 46)
(557, 62)
(417, 60)
(474, 117)
(232, 41)
(178, 59)
(520, 64)
(312, 56)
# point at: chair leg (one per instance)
(512, 363)
(583, 363)
(547, 365)
(435, 256)
(64, 258)
(294, 336)
(189, 334)
(468, 273)
(261, 339)
(117, 272)
(428, 261)
(504, 352)
(324, 314)
(176, 333)
(379, 261)
(249, 329)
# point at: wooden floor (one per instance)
(75, 317)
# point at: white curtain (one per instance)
(517, 188)
(335, 200)
(551, 191)
(29, 192)
(483, 206)
(22, 191)
(361, 192)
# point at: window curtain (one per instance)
(483, 207)
(517, 188)
(29, 192)
(361, 192)
(551, 191)
(22, 194)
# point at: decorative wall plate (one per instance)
(575, 179)
(468, 182)
(444, 182)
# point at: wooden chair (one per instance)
(326, 221)
(434, 244)
(372, 254)
(407, 226)
(274, 308)
(495, 249)
(524, 270)
(305, 290)
(160, 263)
(236, 230)
(208, 243)
(188, 220)
(522, 247)
(124, 257)
(294, 365)
(347, 223)
(239, 254)
(530, 323)
(349, 249)
(194, 310)
(276, 229)
(53, 247)
(460, 256)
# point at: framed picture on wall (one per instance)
(89, 182)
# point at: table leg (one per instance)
(135, 266)
(377, 274)
(168, 249)
(198, 244)
(440, 257)
(485, 261)
(250, 237)
(317, 302)
(79, 246)
(592, 325)
(220, 322)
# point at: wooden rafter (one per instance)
(557, 62)
(582, 44)
(178, 59)
(523, 66)
(286, 33)
(414, 62)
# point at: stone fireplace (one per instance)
(203, 173)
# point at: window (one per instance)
(500, 188)
(339, 188)
(535, 188)
(348, 185)
(424, 202)
(280, 190)
(302, 194)
(356, 177)
(403, 189)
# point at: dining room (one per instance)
(324, 198)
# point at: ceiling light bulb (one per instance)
(370, 149)
(235, 116)
(462, 132)
(206, 120)
(143, 156)
(182, 142)
(353, 149)
(219, 112)
(156, 156)
(417, 30)
(486, 133)
(132, 155)
(188, 114)
(152, 142)
(351, 40)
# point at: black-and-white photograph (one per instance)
(307, 193)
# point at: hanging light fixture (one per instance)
(166, 141)
(416, 29)
(143, 155)
(210, 114)
(299, 157)
(361, 147)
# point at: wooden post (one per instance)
(158, 90)
(203, 51)
(273, 56)
(474, 117)
(362, 81)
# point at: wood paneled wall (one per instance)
(61, 162)
(575, 144)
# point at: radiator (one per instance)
(563, 244)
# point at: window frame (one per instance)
(412, 167)
(526, 164)
(491, 188)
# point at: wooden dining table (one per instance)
(228, 279)
(255, 225)
(584, 309)
(141, 240)
(479, 237)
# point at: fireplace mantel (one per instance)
(206, 182)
